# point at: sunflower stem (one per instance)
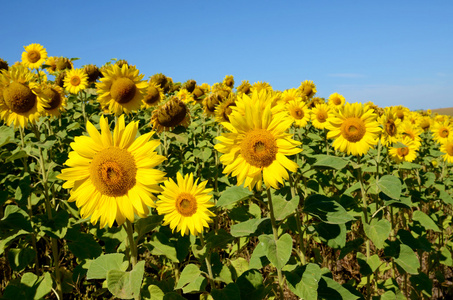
(275, 233)
(299, 216)
(207, 261)
(132, 245)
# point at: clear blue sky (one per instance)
(388, 52)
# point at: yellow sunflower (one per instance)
(263, 98)
(154, 95)
(75, 80)
(121, 89)
(425, 123)
(405, 152)
(447, 148)
(354, 129)
(22, 96)
(289, 95)
(210, 103)
(224, 109)
(298, 112)
(256, 147)
(261, 85)
(307, 88)
(406, 128)
(112, 177)
(390, 124)
(336, 100)
(170, 115)
(400, 111)
(245, 87)
(319, 115)
(51, 63)
(441, 131)
(185, 205)
(56, 99)
(186, 96)
(229, 81)
(34, 56)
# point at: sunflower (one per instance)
(34, 56)
(307, 88)
(319, 115)
(406, 128)
(51, 63)
(354, 129)
(336, 100)
(198, 94)
(298, 112)
(256, 147)
(3, 65)
(261, 85)
(154, 95)
(22, 96)
(425, 123)
(185, 205)
(390, 124)
(224, 109)
(112, 177)
(289, 95)
(75, 80)
(210, 103)
(245, 87)
(170, 115)
(447, 148)
(400, 111)
(56, 99)
(186, 96)
(121, 89)
(189, 85)
(407, 150)
(229, 81)
(262, 97)
(441, 131)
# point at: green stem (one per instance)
(299, 216)
(132, 245)
(207, 261)
(275, 233)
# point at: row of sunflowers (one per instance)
(246, 143)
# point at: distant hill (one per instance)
(444, 111)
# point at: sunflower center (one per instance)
(172, 113)
(75, 80)
(390, 127)
(400, 114)
(259, 148)
(54, 97)
(336, 101)
(113, 171)
(227, 111)
(123, 90)
(153, 96)
(409, 134)
(297, 113)
(443, 133)
(186, 204)
(449, 149)
(353, 129)
(403, 151)
(321, 116)
(33, 56)
(19, 98)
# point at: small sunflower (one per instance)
(22, 96)
(260, 86)
(198, 94)
(229, 81)
(298, 112)
(390, 124)
(93, 73)
(224, 109)
(3, 65)
(34, 56)
(122, 89)
(210, 103)
(412, 131)
(189, 85)
(289, 95)
(442, 131)
(307, 88)
(257, 146)
(63, 63)
(319, 115)
(245, 87)
(56, 99)
(336, 100)
(425, 123)
(51, 63)
(185, 205)
(447, 148)
(75, 80)
(400, 111)
(354, 129)
(170, 115)
(407, 151)
(112, 177)
(186, 96)
(154, 95)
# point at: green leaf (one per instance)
(15, 218)
(333, 234)
(20, 258)
(378, 231)
(126, 285)
(368, 266)
(230, 292)
(160, 245)
(246, 228)
(145, 225)
(100, 267)
(326, 209)
(258, 259)
(58, 226)
(5, 241)
(283, 208)
(251, 285)
(17, 155)
(390, 185)
(304, 281)
(240, 265)
(280, 252)
(329, 161)
(155, 293)
(422, 283)
(83, 245)
(408, 260)
(189, 274)
(232, 195)
(425, 220)
(445, 197)
(329, 289)
(30, 287)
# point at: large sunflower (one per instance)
(257, 146)
(406, 152)
(121, 89)
(22, 96)
(441, 131)
(354, 129)
(113, 177)
(34, 56)
(185, 205)
(75, 80)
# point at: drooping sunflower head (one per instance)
(404, 150)
(63, 63)
(400, 111)
(245, 87)
(185, 205)
(121, 62)
(221, 91)
(22, 96)
(210, 103)
(224, 109)
(161, 80)
(93, 73)
(51, 64)
(75, 80)
(170, 115)
(261, 85)
(3, 65)
(56, 99)
(314, 101)
(319, 115)
(425, 123)
(198, 94)
(354, 129)
(154, 95)
(229, 81)
(121, 89)
(390, 124)
(34, 56)
(336, 100)
(307, 88)
(112, 177)
(189, 85)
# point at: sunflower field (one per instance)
(116, 187)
